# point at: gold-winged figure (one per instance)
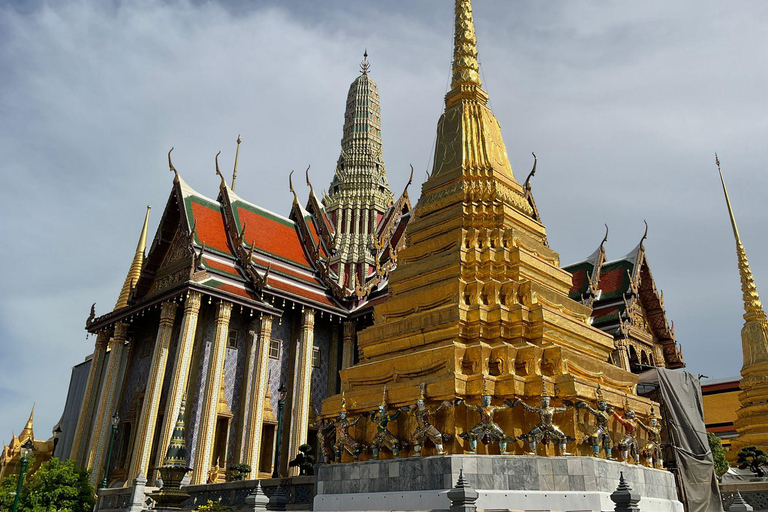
(384, 438)
(600, 434)
(628, 444)
(546, 430)
(344, 441)
(652, 450)
(486, 430)
(424, 428)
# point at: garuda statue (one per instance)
(546, 430)
(628, 445)
(486, 429)
(343, 440)
(600, 434)
(424, 428)
(384, 438)
(652, 450)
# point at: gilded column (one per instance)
(211, 395)
(145, 433)
(85, 419)
(257, 388)
(106, 405)
(348, 350)
(302, 383)
(180, 375)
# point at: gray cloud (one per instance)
(623, 103)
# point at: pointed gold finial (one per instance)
(27, 432)
(136, 265)
(728, 202)
(365, 66)
(465, 66)
(237, 154)
(753, 308)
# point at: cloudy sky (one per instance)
(625, 104)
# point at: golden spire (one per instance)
(469, 141)
(234, 172)
(753, 308)
(27, 432)
(135, 271)
(465, 67)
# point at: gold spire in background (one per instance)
(135, 271)
(465, 69)
(751, 418)
(752, 306)
(27, 432)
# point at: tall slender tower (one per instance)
(752, 417)
(478, 300)
(359, 193)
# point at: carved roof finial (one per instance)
(605, 238)
(311, 188)
(290, 186)
(218, 172)
(645, 234)
(237, 154)
(172, 168)
(527, 184)
(365, 66)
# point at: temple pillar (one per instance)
(106, 404)
(211, 395)
(348, 349)
(145, 432)
(256, 386)
(83, 430)
(302, 384)
(180, 374)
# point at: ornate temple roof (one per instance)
(232, 248)
(620, 290)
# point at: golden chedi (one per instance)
(752, 415)
(479, 298)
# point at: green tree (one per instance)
(753, 459)
(55, 486)
(718, 454)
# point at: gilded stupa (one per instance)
(752, 416)
(479, 300)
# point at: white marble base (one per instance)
(489, 500)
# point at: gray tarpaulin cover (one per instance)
(681, 393)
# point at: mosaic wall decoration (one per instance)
(279, 368)
(323, 338)
(202, 353)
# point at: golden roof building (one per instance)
(10, 458)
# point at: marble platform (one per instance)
(504, 482)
